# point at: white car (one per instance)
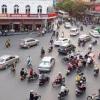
(67, 25)
(61, 41)
(46, 64)
(8, 60)
(74, 31)
(28, 42)
(95, 34)
(84, 37)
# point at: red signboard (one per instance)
(97, 8)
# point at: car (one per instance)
(66, 49)
(8, 60)
(46, 64)
(97, 29)
(61, 41)
(95, 33)
(84, 37)
(28, 42)
(74, 31)
(67, 25)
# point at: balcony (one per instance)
(28, 16)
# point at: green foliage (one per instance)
(72, 6)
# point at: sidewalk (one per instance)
(17, 33)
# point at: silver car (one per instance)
(8, 60)
(28, 42)
(46, 64)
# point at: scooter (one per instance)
(99, 56)
(94, 42)
(80, 91)
(56, 83)
(7, 44)
(35, 76)
(50, 49)
(44, 81)
(61, 96)
(23, 77)
(96, 72)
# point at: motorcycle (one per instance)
(99, 56)
(42, 55)
(61, 96)
(7, 44)
(50, 49)
(80, 91)
(94, 42)
(13, 69)
(93, 97)
(44, 81)
(35, 76)
(96, 71)
(23, 77)
(58, 83)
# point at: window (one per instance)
(39, 9)
(27, 9)
(4, 9)
(16, 9)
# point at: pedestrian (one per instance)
(57, 34)
(79, 42)
(29, 62)
(51, 41)
(62, 34)
(81, 28)
(83, 43)
(90, 48)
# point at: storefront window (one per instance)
(16, 9)
(4, 9)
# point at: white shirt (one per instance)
(63, 88)
(88, 60)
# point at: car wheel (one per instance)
(28, 46)
(37, 43)
(6, 66)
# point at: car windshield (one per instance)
(45, 62)
(73, 30)
(62, 47)
(22, 41)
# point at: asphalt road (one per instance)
(11, 88)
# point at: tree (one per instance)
(72, 6)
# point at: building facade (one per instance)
(26, 15)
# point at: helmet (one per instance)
(22, 68)
(31, 91)
(59, 73)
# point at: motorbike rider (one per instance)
(13, 67)
(63, 90)
(50, 48)
(42, 77)
(90, 47)
(96, 70)
(33, 95)
(29, 64)
(23, 73)
(78, 77)
(42, 51)
(31, 72)
(59, 78)
(7, 43)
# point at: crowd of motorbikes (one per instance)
(75, 62)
